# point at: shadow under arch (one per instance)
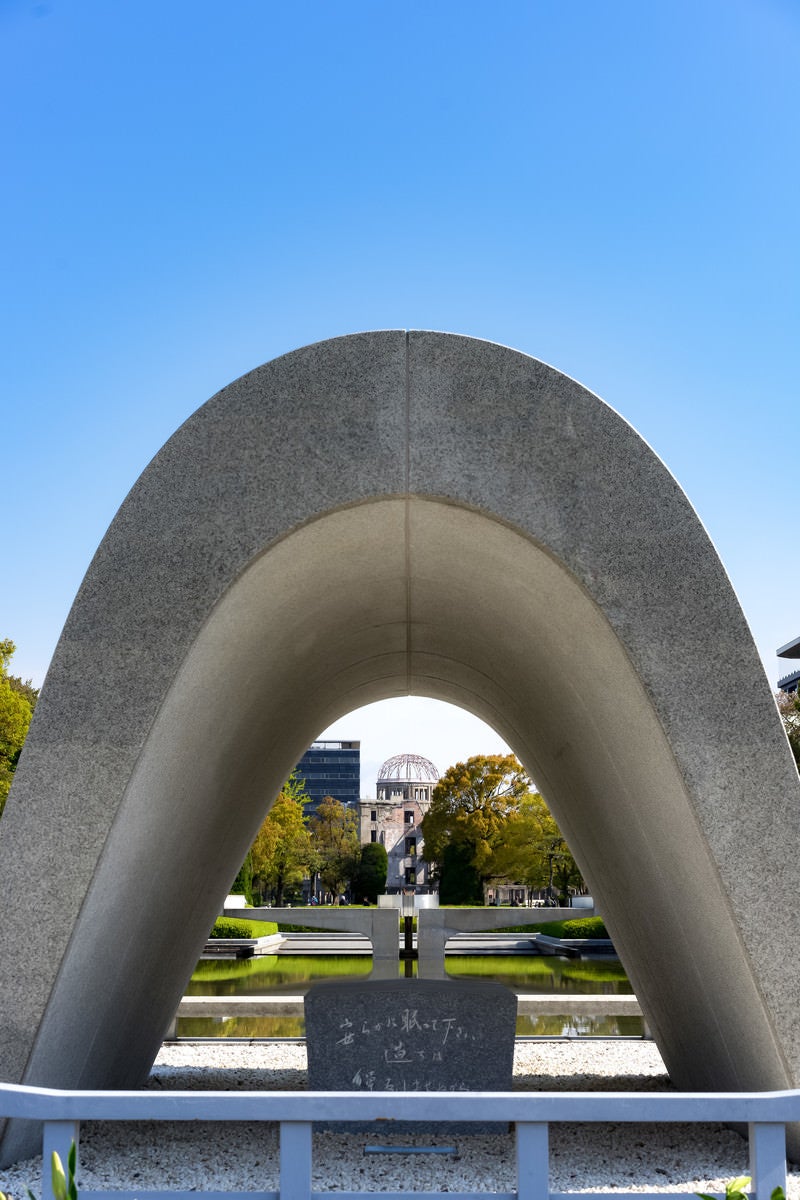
(480, 530)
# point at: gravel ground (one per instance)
(245, 1157)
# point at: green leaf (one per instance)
(59, 1178)
(72, 1162)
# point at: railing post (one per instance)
(57, 1137)
(295, 1166)
(533, 1161)
(767, 1158)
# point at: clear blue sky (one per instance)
(189, 190)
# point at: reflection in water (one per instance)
(293, 975)
(271, 974)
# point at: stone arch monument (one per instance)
(377, 515)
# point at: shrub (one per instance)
(579, 927)
(233, 927)
(230, 927)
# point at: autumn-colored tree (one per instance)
(469, 806)
(17, 700)
(282, 853)
(530, 849)
(334, 835)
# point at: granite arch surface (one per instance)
(377, 515)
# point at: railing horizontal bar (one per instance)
(615, 1195)
(117, 1194)
(414, 1195)
(139, 1194)
(47, 1104)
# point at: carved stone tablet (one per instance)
(411, 1035)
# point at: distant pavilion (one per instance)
(789, 683)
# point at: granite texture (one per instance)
(371, 516)
(410, 1035)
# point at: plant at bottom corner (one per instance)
(64, 1186)
(735, 1190)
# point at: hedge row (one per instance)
(578, 927)
(232, 927)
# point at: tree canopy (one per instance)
(484, 823)
(459, 881)
(334, 832)
(530, 849)
(470, 804)
(17, 701)
(369, 880)
(282, 854)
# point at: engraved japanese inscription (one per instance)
(410, 1035)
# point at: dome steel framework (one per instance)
(408, 768)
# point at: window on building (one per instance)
(373, 835)
(373, 816)
(411, 845)
(411, 875)
(409, 817)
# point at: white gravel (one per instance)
(245, 1156)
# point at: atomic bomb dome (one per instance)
(411, 768)
(403, 793)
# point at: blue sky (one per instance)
(192, 189)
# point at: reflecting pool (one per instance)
(276, 974)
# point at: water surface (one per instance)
(277, 974)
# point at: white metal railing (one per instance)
(765, 1113)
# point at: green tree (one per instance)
(459, 882)
(530, 849)
(789, 708)
(369, 881)
(282, 853)
(334, 834)
(17, 701)
(469, 807)
(243, 883)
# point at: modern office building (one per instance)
(404, 787)
(331, 769)
(789, 683)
